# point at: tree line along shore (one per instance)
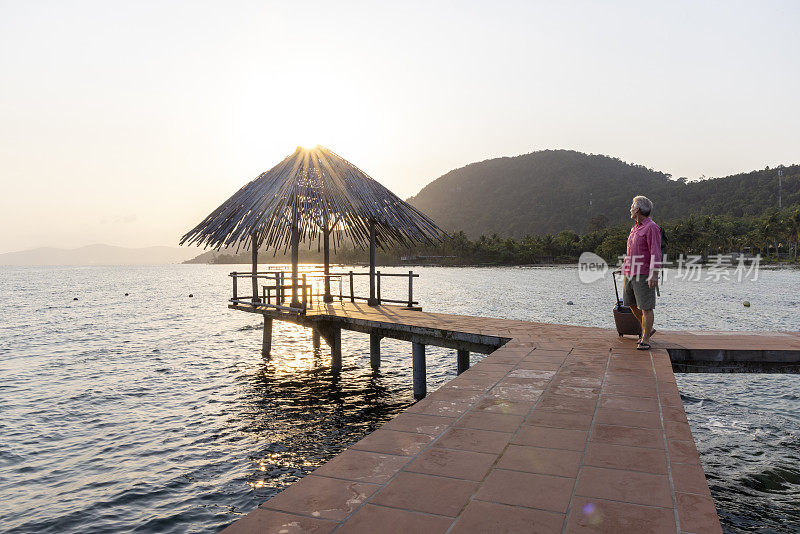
(773, 235)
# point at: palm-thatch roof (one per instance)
(321, 191)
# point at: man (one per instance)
(642, 262)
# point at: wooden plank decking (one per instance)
(562, 429)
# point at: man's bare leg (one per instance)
(638, 314)
(647, 325)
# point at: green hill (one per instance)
(554, 190)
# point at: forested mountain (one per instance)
(554, 190)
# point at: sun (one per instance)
(308, 146)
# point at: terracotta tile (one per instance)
(628, 369)
(665, 375)
(677, 430)
(550, 401)
(668, 388)
(689, 478)
(445, 408)
(463, 381)
(630, 390)
(487, 517)
(545, 357)
(673, 413)
(515, 392)
(454, 394)
(470, 439)
(423, 424)
(684, 452)
(540, 460)
(610, 416)
(581, 372)
(548, 352)
(393, 442)
(613, 379)
(634, 404)
(468, 465)
(371, 519)
(697, 513)
(488, 375)
(578, 381)
(553, 438)
(486, 367)
(575, 391)
(532, 383)
(363, 466)
(627, 486)
(503, 406)
(322, 497)
(629, 458)
(625, 435)
(542, 366)
(596, 515)
(532, 374)
(490, 421)
(426, 493)
(259, 521)
(671, 400)
(556, 419)
(544, 492)
(511, 357)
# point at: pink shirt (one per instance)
(644, 248)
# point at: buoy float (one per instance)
(74, 298)
(126, 294)
(190, 295)
(746, 304)
(569, 303)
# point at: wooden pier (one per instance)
(559, 429)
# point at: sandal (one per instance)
(643, 346)
(653, 331)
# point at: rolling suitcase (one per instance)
(623, 316)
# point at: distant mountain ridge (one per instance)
(554, 190)
(97, 255)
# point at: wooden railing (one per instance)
(276, 288)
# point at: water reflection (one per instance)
(300, 413)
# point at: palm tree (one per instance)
(794, 220)
(770, 229)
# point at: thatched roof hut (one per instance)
(308, 195)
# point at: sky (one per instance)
(127, 122)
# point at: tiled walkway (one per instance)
(563, 429)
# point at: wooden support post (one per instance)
(375, 351)
(410, 289)
(336, 348)
(352, 295)
(372, 300)
(254, 253)
(295, 261)
(418, 370)
(315, 338)
(378, 284)
(235, 287)
(326, 254)
(266, 340)
(305, 293)
(462, 361)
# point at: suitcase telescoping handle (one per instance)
(614, 276)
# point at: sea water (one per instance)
(155, 412)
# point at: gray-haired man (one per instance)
(642, 262)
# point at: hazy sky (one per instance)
(127, 122)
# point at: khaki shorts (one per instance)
(636, 292)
